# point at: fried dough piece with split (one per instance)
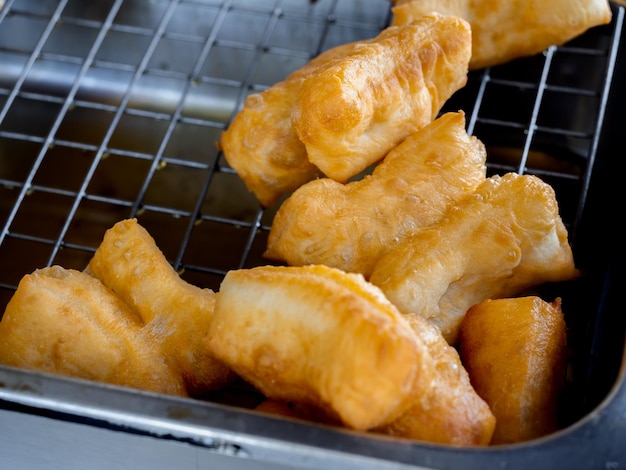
(67, 322)
(129, 262)
(515, 353)
(350, 226)
(352, 112)
(260, 143)
(504, 238)
(503, 30)
(444, 409)
(321, 337)
(448, 410)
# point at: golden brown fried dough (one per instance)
(321, 337)
(504, 238)
(515, 352)
(353, 111)
(129, 262)
(503, 30)
(448, 410)
(67, 322)
(260, 143)
(261, 146)
(351, 226)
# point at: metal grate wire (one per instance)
(153, 67)
(113, 110)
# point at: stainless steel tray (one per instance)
(112, 109)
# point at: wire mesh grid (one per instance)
(113, 109)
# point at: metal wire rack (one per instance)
(112, 109)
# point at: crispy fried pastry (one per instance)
(350, 113)
(504, 238)
(503, 30)
(261, 144)
(262, 147)
(349, 226)
(448, 410)
(129, 262)
(515, 353)
(321, 337)
(67, 322)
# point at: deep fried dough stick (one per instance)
(129, 262)
(67, 322)
(321, 337)
(515, 353)
(260, 143)
(353, 111)
(351, 226)
(448, 410)
(322, 344)
(503, 30)
(506, 237)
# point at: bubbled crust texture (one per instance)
(504, 238)
(261, 144)
(129, 262)
(350, 226)
(67, 322)
(503, 30)
(318, 336)
(447, 410)
(348, 107)
(350, 113)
